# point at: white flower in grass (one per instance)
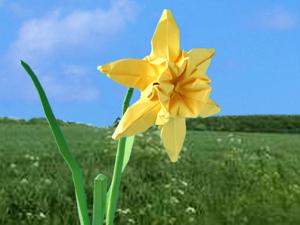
(167, 186)
(181, 192)
(131, 221)
(174, 200)
(42, 215)
(12, 165)
(47, 181)
(24, 181)
(190, 210)
(184, 183)
(172, 220)
(126, 211)
(35, 164)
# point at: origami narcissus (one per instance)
(173, 85)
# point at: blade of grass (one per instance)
(63, 149)
(100, 189)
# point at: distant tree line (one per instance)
(253, 123)
(33, 121)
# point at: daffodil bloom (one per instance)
(173, 85)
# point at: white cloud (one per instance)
(278, 18)
(43, 36)
(46, 42)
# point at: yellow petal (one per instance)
(166, 38)
(209, 109)
(136, 73)
(173, 135)
(199, 57)
(162, 117)
(197, 89)
(138, 118)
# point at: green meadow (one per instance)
(221, 178)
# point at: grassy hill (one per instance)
(228, 178)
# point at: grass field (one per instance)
(221, 178)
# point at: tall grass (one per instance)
(221, 177)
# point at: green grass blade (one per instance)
(63, 149)
(100, 189)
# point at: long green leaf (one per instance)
(63, 149)
(100, 189)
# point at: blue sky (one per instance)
(256, 69)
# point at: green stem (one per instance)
(113, 194)
(127, 99)
(100, 189)
(63, 149)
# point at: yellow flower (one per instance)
(173, 86)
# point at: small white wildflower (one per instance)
(174, 200)
(172, 220)
(184, 183)
(126, 211)
(47, 181)
(131, 221)
(167, 185)
(181, 192)
(42, 215)
(190, 210)
(13, 166)
(24, 181)
(35, 164)
(28, 214)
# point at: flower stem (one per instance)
(127, 100)
(117, 174)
